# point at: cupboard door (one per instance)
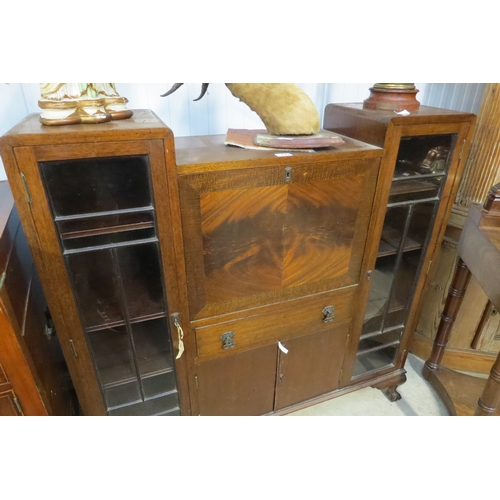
(104, 213)
(309, 366)
(101, 228)
(237, 385)
(420, 174)
(269, 234)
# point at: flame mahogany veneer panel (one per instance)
(251, 238)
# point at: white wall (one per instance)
(219, 110)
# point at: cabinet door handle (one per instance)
(180, 334)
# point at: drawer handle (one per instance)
(228, 340)
(328, 314)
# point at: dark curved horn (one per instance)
(175, 86)
(204, 87)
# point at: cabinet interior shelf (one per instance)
(107, 213)
(116, 324)
(113, 353)
(109, 246)
(399, 176)
(390, 241)
(376, 307)
(144, 376)
(362, 352)
(412, 186)
(107, 230)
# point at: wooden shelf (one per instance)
(114, 358)
(390, 241)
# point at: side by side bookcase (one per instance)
(187, 277)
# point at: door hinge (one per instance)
(26, 188)
(369, 275)
(18, 406)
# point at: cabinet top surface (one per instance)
(211, 149)
(143, 124)
(423, 114)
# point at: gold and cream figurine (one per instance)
(73, 103)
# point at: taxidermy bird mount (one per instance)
(285, 108)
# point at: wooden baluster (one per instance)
(453, 302)
(490, 399)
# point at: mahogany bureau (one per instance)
(189, 277)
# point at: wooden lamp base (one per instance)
(392, 96)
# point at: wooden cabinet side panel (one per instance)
(37, 220)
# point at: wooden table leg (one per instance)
(490, 399)
(453, 302)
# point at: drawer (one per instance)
(295, 318)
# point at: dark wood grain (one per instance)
(252, 238)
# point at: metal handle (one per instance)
(180, 334)
(228, 340)
(328, 314)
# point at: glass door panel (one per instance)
(374, 360)
(96, 185)
(419, 177)
(104, 215)
(423, 155)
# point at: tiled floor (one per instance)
(418, 398)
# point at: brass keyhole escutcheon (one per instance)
(328, 314)
(228, 340)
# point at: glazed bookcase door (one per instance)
(420, 175)
(105, 228)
